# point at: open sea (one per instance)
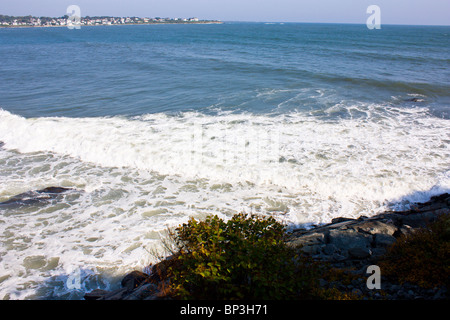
(151, 125)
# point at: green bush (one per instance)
(243, 258)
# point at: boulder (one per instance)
(347, 239)
(377, 227)
(134, 279)
(142, 292)
(312, 249)
(384, 240)
(53, 190)
(420, 220)
(340, 219)
(312, 239)
(42, 196)
(359, 253)
(330, 249)
(96, 294)
(118, 294)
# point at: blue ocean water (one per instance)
(133, 70)
(150, 125)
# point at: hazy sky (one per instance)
(341, 11)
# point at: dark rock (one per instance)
(404, 230)
(134, 279)
(330, 249)
(53, 190)
(442, 198)
(33, 197)
(338, 257)
(419, 220)
(323, 282)
(359, 253)
(384, 240)
(340, 219)
(377, 227)
(345, 244)
(142, 292)
(312, 249)
(357, 292)
(96, 294)
(118, 294)
(440, 294)
(160, 270)
(377, 252)
(395, 287)
(308, 240)
(346, 239)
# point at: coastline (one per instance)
(130, 170)
(349, 246)
(110, 25)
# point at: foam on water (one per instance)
(134, 177)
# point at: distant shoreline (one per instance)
(111, 25)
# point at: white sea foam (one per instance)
(132, 178)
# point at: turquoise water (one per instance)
(151, 125)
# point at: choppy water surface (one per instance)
(150, 125)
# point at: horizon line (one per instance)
(241, 21)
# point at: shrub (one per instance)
(243, 258)
(422, 258)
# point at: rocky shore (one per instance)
(347, 245)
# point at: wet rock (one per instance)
(340, 219)
(118, 294)
(96, 294)
(33, 197)
(416, 100)
(53, 190)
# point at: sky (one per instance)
(410, 12)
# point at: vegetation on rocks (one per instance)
(243, 258)
(422, 258)
(251, 257)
